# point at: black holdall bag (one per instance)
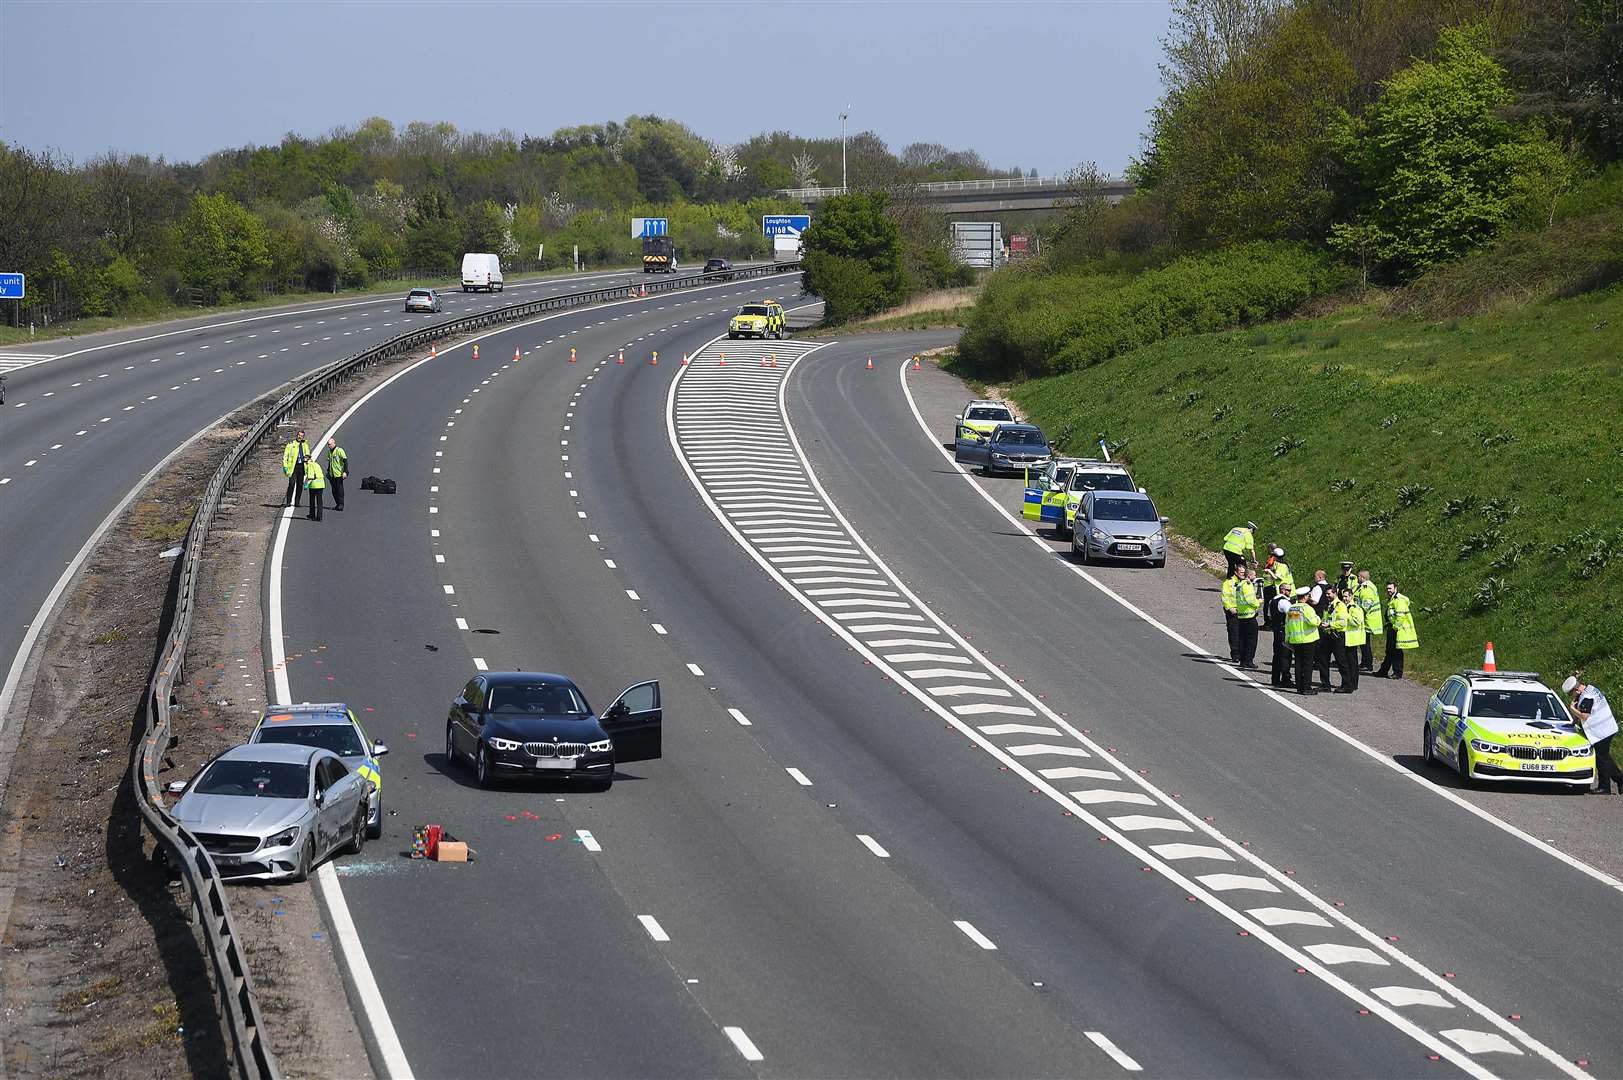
(369, 483)
(384, 487)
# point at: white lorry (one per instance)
(481, 270)
(787, 248)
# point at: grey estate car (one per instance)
(273, 811)
(1119, 525)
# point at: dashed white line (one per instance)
(655, 931)
(479, 663)
(658, 629)
(743, 720)
(743, 1043)
(697, 670)
(587, 840)
(974, 935)
(798, 777)
(873, 845)
(1098, 1039)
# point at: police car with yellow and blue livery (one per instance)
(762, 319)
(1053, 495)
(973, 426)
(1505, 726)
(331, 726)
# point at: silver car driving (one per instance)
(274, 811)
(1118, 525)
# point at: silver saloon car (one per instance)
(1119, 525)
(274, 811)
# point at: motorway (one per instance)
(85, 419)
(871, 848)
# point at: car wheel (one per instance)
(357, 833)
(481, 766)
(306, 857)
(1428, 749)
(375, 831)
(450, 745)
(1464, 766)
(1079, 550)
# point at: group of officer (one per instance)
(1314, 626)
(305, 476)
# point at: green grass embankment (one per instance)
(1479, 461)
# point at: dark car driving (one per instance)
(529, 723)
(721, 268)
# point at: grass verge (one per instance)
(1477, 461)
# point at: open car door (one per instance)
(1043, 502)
(633, 722)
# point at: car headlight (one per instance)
(1581, 751)
(503, 744)
(1158, 538)
(1486, 747)
(285, 838)
(602, 747)
(1099, 535)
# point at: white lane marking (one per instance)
(985, 709)
(632, 594)
(610, 564)
(450, 590)
(873, 845)
(1369, 751)
(697, 670)
(1331, 953)
(1480, 1042)
(935, 658)
(1145, 822)
(1230, 882)
(1073, 772)
(461, 623)
(479, 663)
(950, 673)
(1411, 995)
(1018, 729)
(974, 935)
(1100, 796)
(655, 931)
(742, 1042)
(1280, 916)
(1036, 749)
(743, 720)
(798, 777)
(1098, 1039)
(439, 558)
(587, 840)
(658, 629)
(1173, 852)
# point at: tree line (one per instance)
(129, 234)
(1400, 134)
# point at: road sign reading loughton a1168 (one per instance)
(785, 224)
(12, 286)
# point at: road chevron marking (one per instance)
(704, 379)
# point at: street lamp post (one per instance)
(843, 184)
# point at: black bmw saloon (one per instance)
(529, 723)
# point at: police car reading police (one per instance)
(1054, 495)
(1505, 725)
(974, 425)
(331, 726)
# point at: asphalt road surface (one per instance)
(86, 418)
(870, 849)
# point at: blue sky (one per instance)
(1035, 85)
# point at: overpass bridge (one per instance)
(980, 196)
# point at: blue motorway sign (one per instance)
(785, 224)
(11, 287)
(650, 226)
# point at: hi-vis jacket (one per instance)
(291, 453)
(313, 479)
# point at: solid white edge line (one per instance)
(655, 931)
(873, 845)
(975, 935)
(1244, 853)
(1097, 1038)
(743, 1044)
(1205, 896)
(353, 952)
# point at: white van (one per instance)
(481, 270)
(787, 249)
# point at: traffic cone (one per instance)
(1488, 662)
(515, 354)
(476, 352)
(684, 359)
(655, 361)
(433, 352)
(916, 365)
(723, 361)
(774, 359)
(870, 363)
(571, 356)
(620, 357)
(645, 290)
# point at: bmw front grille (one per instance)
(555, 750)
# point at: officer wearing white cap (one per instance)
(1600, 726)
(1302, 634)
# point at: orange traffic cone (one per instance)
(620, 358)
(1488, 662)
(433, 353)
(774, 359)
(515, 354)
(476, 352)
(571, 356)
(684, 359)
(870, 363)
(916, 365)
(723, 361)
(655, 361)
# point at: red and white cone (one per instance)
(870, 363)
(476, 352)
(620, 358)
(684, 359)
(916, 365)
(723, 361)
(433, 352)
(655, 361)
(571, 356)
(515, 355)
(1488, 662)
